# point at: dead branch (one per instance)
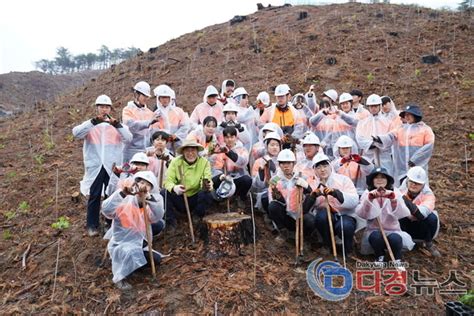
(24, 256)
(56, 271)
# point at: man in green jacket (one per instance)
(187, 174)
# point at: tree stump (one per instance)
(225, 233)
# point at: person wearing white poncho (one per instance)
(104, 139)
(383, 203)
(342, 196)
(128, 230)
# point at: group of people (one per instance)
(340, 165)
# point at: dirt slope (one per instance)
(377, 48)
(20, 91)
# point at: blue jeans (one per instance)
(95, 193)
(422, 230)
(198, 204)
(322, 225)
(378, 244)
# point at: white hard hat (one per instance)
(417, 174)
(264, 97)
(210, 90)
(374, 99)
(331, 94)
(173, 94)
(269, 127)
(226, 189)
(239, 91)
(344, 141)
(230, 107)
(148, 176)
(344, 97)
(311, 139)
(286, 155)
(319, 158)
(143, 88)
(272, 135)
(282, 89)
(140, 157)
(163, 91)
(103, 100)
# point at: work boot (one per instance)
(268, 222)
(323, 251)
(171, 227)
(92, 232)
(241, 204)
(123, 285)
(283, 235)
(432, 249)
(399, 265)
(380, 262)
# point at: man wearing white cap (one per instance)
(423, 223)
(126, 207)
(285, 115)
(342, 196)
(138, 117)
(209, 107)
(311, 146)
(368, 134)
(104, 138)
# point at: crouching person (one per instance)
(383, 205)
(342, 196)
(423, 222)
(196, 184)
(232, 161)
(283, 195)
(127, 209)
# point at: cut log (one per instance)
(225, 233)
(76, 197)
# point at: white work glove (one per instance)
(301, 183)
(179, 189)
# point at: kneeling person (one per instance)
(423, 223)
(382, 204)
(127, 209)
(283, 194)
(196, 184)
(342, 196)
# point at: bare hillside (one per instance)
(377, 48)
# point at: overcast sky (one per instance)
(31, 30)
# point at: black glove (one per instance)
(232, 155)
(116, 124)
(338, 195)
(413, 208)
(411, 164)
(96, 120)
(376, 139)
(239, 127)
(271, 166)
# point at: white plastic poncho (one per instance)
(103, 146)
(351, 198)
(174, 121)
(138, 121)
(411, 142)
(356, 172)
(370, 210)
(128, 231)
(375, 126)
